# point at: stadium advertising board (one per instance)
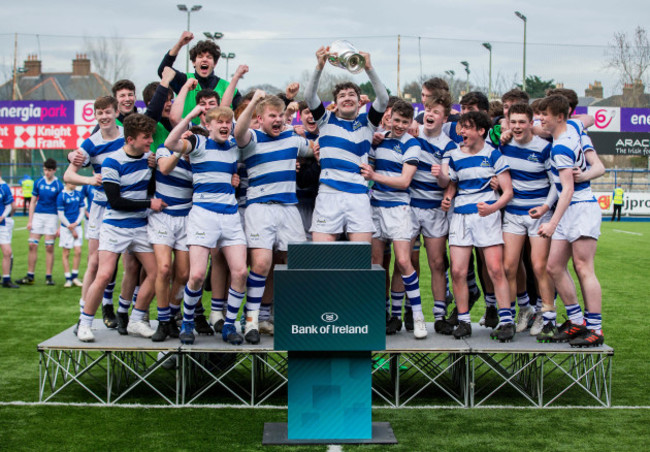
(635, 204)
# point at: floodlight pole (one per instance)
(523, 18)
(488, 46)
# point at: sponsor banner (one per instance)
(84, 112)
(43, 137)
(633, 203)
(622, 143)
(6, 137)
(635, 119)
(37, 112)
(17, 193)
(607, 119)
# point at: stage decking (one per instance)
(438, 370)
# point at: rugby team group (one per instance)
(206, 188)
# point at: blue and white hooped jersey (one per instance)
(47, 194)
(271, 166)
(213, 165)
(6, 199)
(132, 175)
(473, 174)
(567, 153)
(70, 203)
(176, 187)
(344, 146)
(530, 166)
(88, 194)
(389, 158)
(424, 189)
(449, 129)
(95, 149)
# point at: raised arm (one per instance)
(381, 100)
(242, 133)
(229, 93)
(311, 90)
(157, 102)
(170, 57)
(175, 141)
(176, 112)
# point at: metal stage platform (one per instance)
(439, 370)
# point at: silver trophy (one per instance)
(344, 55)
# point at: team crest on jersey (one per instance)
(397, 148)
(533, 158)
(485, 163)
(356, 125)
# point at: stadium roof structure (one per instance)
(34, 84)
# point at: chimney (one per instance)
(81, 65)
(33, 66)
(628, 89)
(595, 90)
(559, 85)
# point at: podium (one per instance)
(329, 317)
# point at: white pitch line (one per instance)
(626, 232)
(334, 448)
(284, 407)
(20, 229)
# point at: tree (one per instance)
(536, 87)
(110, 57)
(630, 56)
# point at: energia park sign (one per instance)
(65, 124)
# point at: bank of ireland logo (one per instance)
(329, 317)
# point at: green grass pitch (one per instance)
(33, 314)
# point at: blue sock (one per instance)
(396, 304)
(174, 309)
(505, 316)
(75, 274)
(199, 309)
(254, 291)
(549, 317)
(595, 322)
(48, 277)
(217, 304)
(265, 312)
(412, 288)
(574, 313)
(464, 317)
(513, 308)
(190, 300)
(30, 275)
(234, 302)
(107, 298)
(523, 299)
(490, 300)
(123, 306)
(164, 314)
(6, 278)
(439, 309)
(68, 276)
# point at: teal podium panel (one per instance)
(329, 315)
(329, 310)
(330, 395)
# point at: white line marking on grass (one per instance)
(20, 229)
(334, 448)
(284, 407)
(626, 232)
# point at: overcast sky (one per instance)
(567, 41)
